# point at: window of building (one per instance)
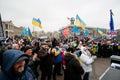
(6, 26)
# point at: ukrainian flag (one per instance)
(40, 26)
(29, 34)
(101, 31)
(36, 22)
(79, 22)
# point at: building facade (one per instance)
(10, 30)
(18, 31)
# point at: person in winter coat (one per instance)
(87, 61)
(14, 66)
(73, 69)
(33, 60)
(57, 61)
(46, 61)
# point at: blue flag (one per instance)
(1, 26)
(86, 32)
(111, 21)
(24, 32)
(75, 30)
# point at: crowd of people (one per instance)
(21, 59)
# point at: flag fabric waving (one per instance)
(75, 30)
(79, 22)
(29, 34)
(40, 26)
(36, 22)
(66, 32)
(101, 31)
(24, 32)
(111, 21)
(1, 26)
(86, 32)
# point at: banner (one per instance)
(111, 33)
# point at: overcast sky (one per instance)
(53, 13)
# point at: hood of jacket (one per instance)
(10, 57)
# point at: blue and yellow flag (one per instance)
(40, 26)
(29, 34)
(101, 31)
(79, 22)
(36, 22)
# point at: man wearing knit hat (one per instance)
(33, 60)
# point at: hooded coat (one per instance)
(10, 57)
(73, 69)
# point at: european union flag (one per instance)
(111, 21)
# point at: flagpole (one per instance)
(2, 29)
(33, 29)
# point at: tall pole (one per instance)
(2, 29)
(33, 31)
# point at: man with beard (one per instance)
(14, 66)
